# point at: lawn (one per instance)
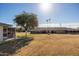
(51, 45)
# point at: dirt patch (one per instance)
(52, 45)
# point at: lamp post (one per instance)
(48, 21)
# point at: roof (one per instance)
(68, 25)
(4, 24)
(54, 28)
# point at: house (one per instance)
(6, 31)
(56, 30)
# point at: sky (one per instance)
(64, 14)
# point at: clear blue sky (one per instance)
(59, 13)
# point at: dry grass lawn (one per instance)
(51, 45)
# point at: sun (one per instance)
(45, 6)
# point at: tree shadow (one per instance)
(10, 47)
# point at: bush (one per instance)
(10, 47)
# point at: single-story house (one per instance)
(6, 31)
(56, 30)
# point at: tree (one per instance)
(27, 21)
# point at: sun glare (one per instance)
(45, 6)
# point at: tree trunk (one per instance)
(25, 34)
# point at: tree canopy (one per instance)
(27, 21)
